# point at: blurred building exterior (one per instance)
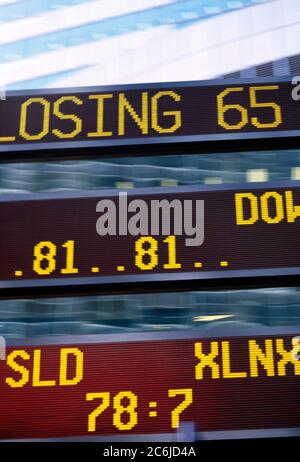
(67, 43)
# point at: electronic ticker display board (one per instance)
(170, 234)
(145, 383)
(93, 117)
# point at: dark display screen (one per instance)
(158, 113)
(150, 386)
(214, 232)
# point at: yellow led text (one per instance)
(96, 116)
(28, 368)
(268, 358)
(271, 207)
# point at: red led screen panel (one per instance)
(67, 119)
(242, 231)
(149, 386)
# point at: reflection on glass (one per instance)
(151, 171)
(150, 312)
